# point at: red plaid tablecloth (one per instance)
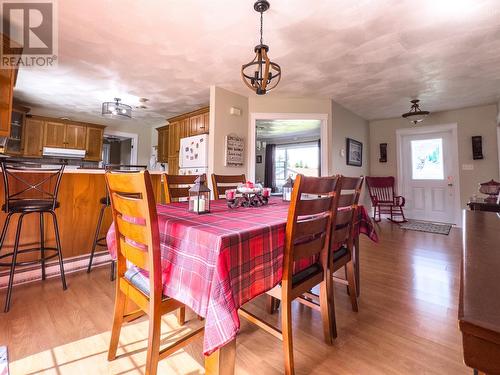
(216, 262)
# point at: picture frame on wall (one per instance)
(354, 154)
(259, 159)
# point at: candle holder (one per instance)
(253, 199)
(199, 197)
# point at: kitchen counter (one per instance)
(79, 195)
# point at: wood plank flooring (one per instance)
(406, 324)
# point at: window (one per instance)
(293, 159)
(427, 159)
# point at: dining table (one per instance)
(217, 261)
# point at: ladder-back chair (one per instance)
(176, 187)
(221, 183)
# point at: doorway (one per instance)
(119, 148)
(428, 175)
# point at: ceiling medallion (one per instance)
(415, 115)
(261, 74)
(116, 109)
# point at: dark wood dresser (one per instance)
(479, 305)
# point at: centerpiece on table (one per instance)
(250, 195)
(199, 196)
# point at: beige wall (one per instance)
(471, 121)
(223, 123)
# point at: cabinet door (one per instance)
(6, 85)
(206, 122)
(196, 125)
(174, 136)
(54, 134)
(14, 143)
(173, 165)
(33, 138)
(184, 131)
(93, 143)
(163, 145)
(75, 136)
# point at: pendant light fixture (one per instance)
(415, 115)
(116, 109)
(261, 74)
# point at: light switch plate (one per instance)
(467, 167)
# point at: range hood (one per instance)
(63, 153)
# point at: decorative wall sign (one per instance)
(234, 151)
(477, 147)
(354, 155)
(383, 153)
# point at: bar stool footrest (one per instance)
(31, 262)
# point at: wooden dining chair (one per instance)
(221, 183)
(307, 237)
(176, 187)
(344, 232)
(138, 242)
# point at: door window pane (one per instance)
(293, 159)
(427, 159)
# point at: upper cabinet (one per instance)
(65, 135)
(17, 129)
(7, 83)
(93, 143)
(33, 138)
(169, 136)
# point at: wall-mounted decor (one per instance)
(354, 155)
(383, 153)
(477, 147)
(234, 151)
(259, 159)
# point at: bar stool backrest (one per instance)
(30, 181)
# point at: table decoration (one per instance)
(251, 195)
(287, 189)
(199, 196)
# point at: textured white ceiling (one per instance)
(268, 130)
(371, 56)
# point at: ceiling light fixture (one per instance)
(116, 109)
(261, 74)
(415, 115)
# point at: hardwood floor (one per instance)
(406, 324)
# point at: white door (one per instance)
(428, 176)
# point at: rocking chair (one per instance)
(384, 199)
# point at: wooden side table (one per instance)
(482, 205)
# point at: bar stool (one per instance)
(30, 189)
(106, 203)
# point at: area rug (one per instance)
(425, 226)
(4, 363)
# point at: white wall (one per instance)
(144, 139)
(481, 120)
(222, 123)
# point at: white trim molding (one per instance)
(323, 117)
(453, 128)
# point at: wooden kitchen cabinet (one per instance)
(33, 138)
(54, 133)
(173, 165)
(93, 143)
(174, 137)
(163, 146)
(75, 136)
(7, 83)
(198, 124)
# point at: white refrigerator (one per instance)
(193, 158)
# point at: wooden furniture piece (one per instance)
(221, 183)
(15, 146)
(479, 302)
(93, 143)
(30, 193)
(482, 205)
(176, 187)
(8, 79)
(384, 198)
(64, 135)
(105, 203)
(308, 232)
(182, 126)
(33, 138)
(138, 242)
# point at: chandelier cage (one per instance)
(116, 109)
(415, 115)
(261, 74)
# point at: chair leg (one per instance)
(113, 270)
(96, 237)
(286, 329)
(42, 246)
(327, 309)
(271, 304)
(13, 264)
(351, 278)
(181, 316)
(59, 251)
(153, 354)
(120, 300)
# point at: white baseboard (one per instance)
(33, 273)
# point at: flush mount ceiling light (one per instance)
(261, 74)
(415, 115)
(116, 109)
